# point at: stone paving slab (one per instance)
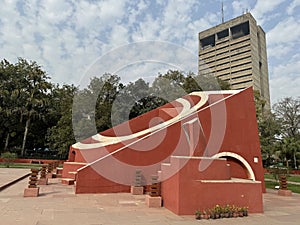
(10, 174)
(57, 204)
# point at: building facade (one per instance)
(235, 51)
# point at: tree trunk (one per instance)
(6, 142)
(295, 160)
(25, 135)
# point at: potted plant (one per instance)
(218, 210)
(226, 211)
(198, 215)
(230, 211)
(212, 214)
(240, 212)
(245, 211)
(235, 212)
(205, 215)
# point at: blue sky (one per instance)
(67, 37)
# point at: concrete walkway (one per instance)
(57, 204)
(9, 175)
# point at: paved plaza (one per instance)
(57, 204)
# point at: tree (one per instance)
(11, 101)
(288, 112)
(269, 133)
(127, 101)
(259, 105)
(94, 104)
(24, 93)
(34, 92)
(108, 87)
(169, 86)
(108, 102)
(210, 83)
(133, 100)
(60, 135)
(289, 149)
(190, 83)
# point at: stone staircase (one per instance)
(69, 172)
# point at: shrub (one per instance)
(8, 158)
(218, 211)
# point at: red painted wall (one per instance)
(184, 188)
(207, 195)
(89, 181)
(71, 167)
(237, 170)
(241, 134)
(41, 161)
(201, 190)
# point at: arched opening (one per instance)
(72, 156)
(239, 167)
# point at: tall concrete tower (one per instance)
(235, 51)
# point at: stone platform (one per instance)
(57, 204)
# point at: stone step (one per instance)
(59, 170)
(67, 181)
(72, 175)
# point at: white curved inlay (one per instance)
(108, 140)
(238, 157)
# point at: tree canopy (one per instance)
(280, 132)
(38, 117)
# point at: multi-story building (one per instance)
(235, 51)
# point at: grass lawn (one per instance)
(294, 188)
(20, 165)
(293, 178)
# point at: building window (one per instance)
(208, 42)
(240, 30)
(223, 34)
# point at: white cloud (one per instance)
(119, 35)
(283, 40)
(279, 50)
(285, 31)
(148, 29)
(240, 7)
(72, 35)
(262, 9)
(65, 37)
(292, 66)
(292, 6)
(285, 80)
(284, 86)
(55, 11)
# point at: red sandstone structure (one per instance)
(204, 147)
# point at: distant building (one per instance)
(235, 51)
